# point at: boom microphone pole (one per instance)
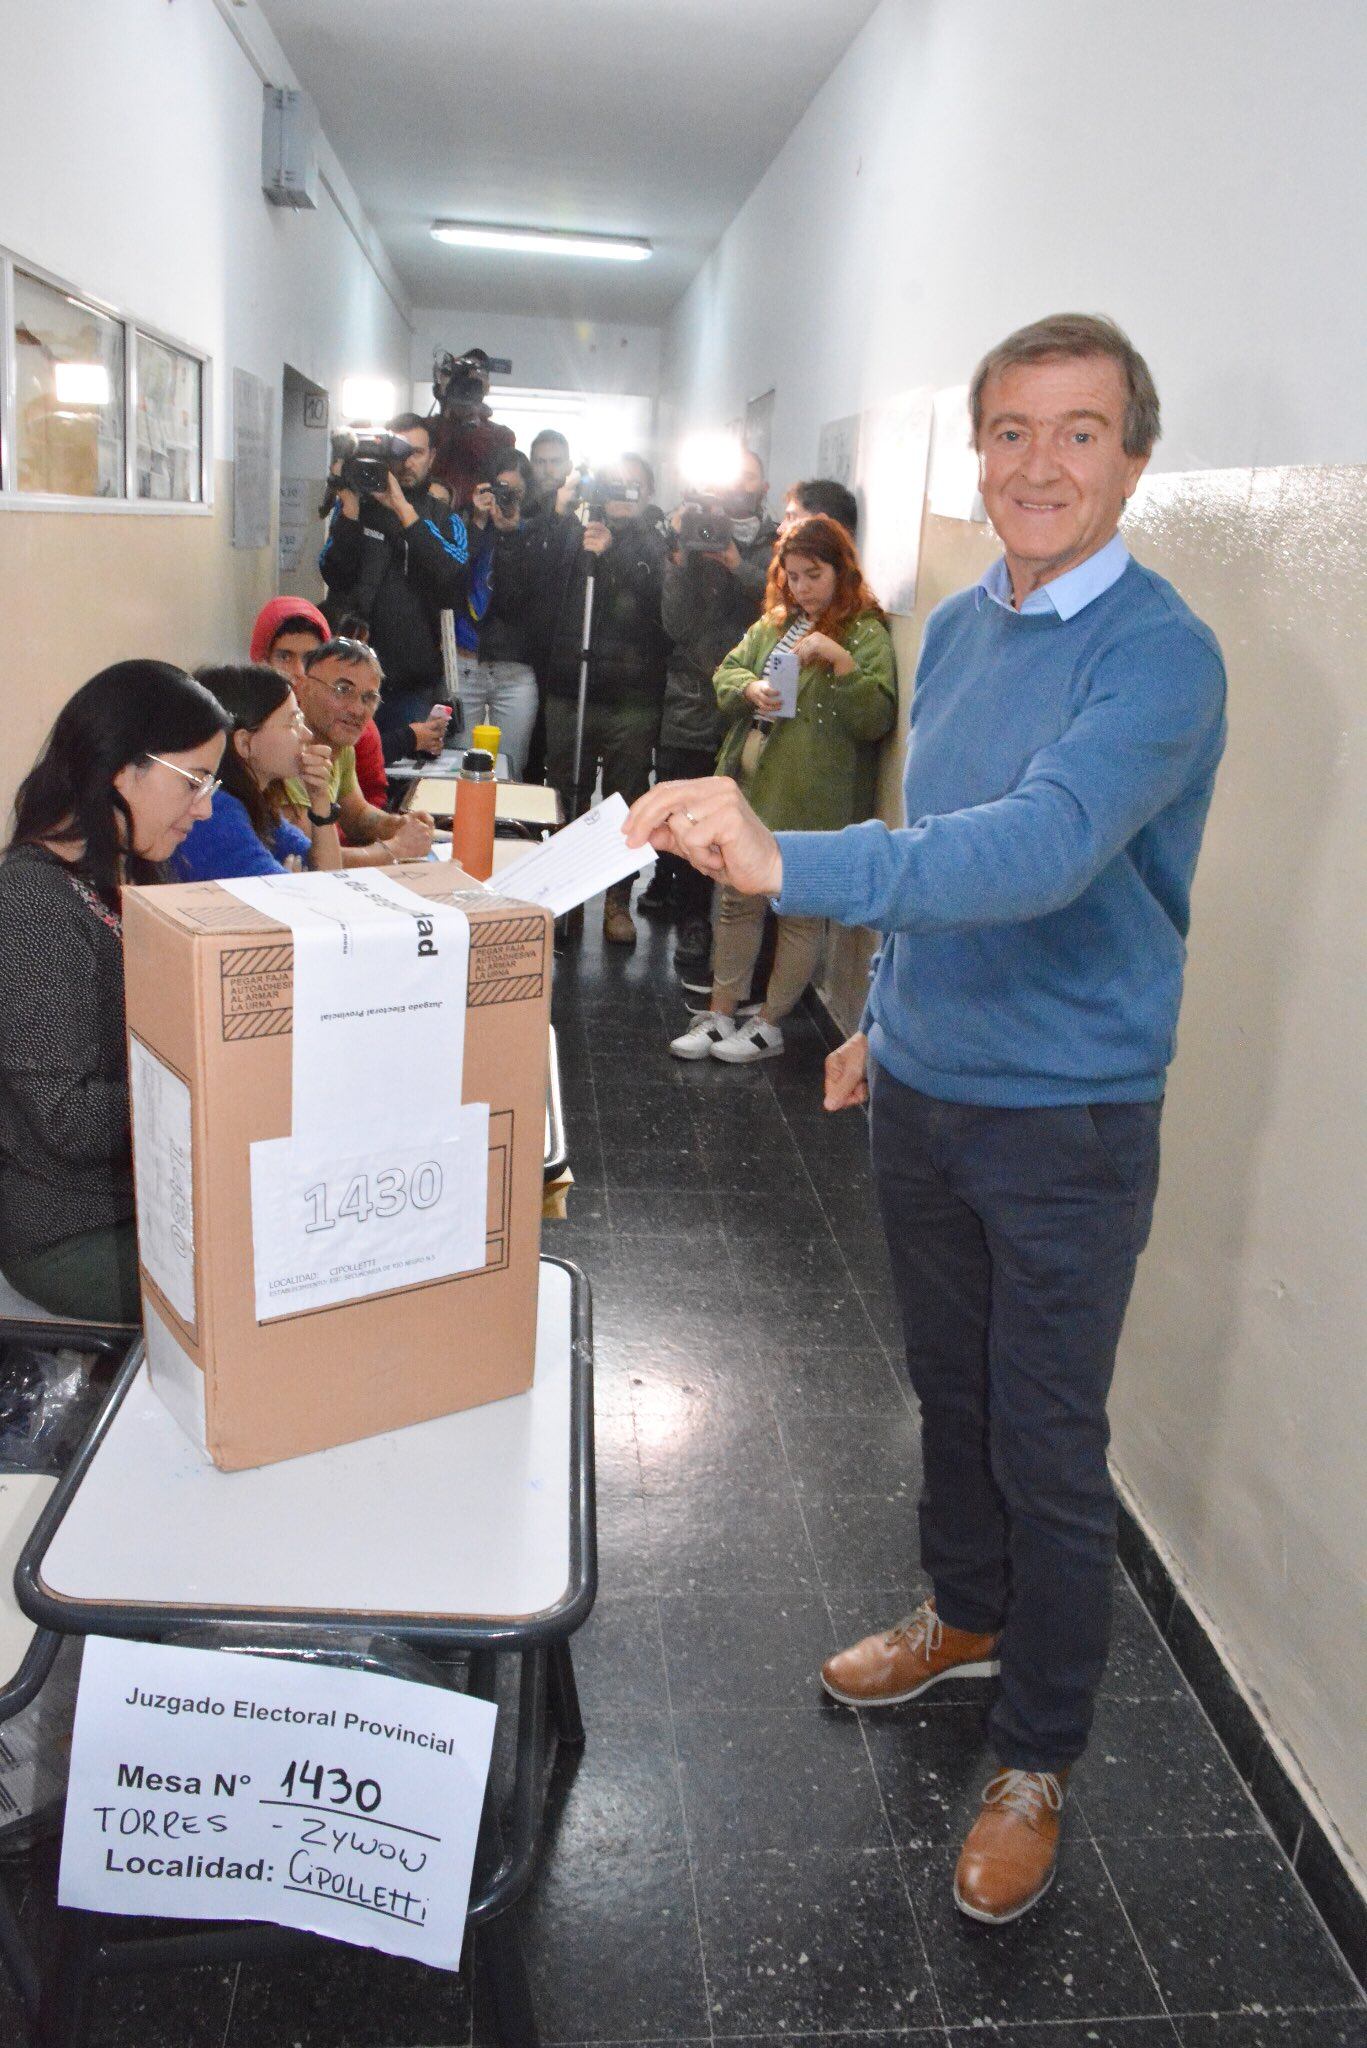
(578, 793)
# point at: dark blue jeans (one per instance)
(1014, 1235)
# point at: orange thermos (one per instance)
(472, 828)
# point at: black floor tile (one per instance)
(681, 1214)
(692, 1436)
(624, 1559)
(1140, 1666)
(617, 1797)
(777, 1781)
(1072, 1957)
(1154, 1767)
(931, 1762)
(333, 1993)
(811, 1310)
(1225, 1925)
(619, 1662)
(834, 1381)
(745, 1651)
(1101, 2033)
(864, 1539)
(676, 1165)
(589, 1926)
(809, 1943)
(853, 1454)
(723, 1536)
(1274, 2030)
(178, 2009)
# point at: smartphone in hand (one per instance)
(782, 675)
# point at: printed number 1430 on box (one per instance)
(333, 1228)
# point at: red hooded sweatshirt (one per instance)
(271, 621)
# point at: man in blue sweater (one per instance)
(1067, 723)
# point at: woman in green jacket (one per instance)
(806, 767)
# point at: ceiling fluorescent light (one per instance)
(542, 241)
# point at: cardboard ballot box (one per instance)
(338, 1088)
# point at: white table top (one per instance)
(467, 1516)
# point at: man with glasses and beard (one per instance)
(338, 691)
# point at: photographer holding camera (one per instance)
(466, 438)
(626, 670)
(498, 681)
(397, 555)
(713, 593)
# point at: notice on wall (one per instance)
(253, 464)
(952, 491)
(894, 450)
(299, 497)
(163, 1175)
(207, 1785)
(837, 450)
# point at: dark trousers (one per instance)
(621, 736)
(1013, 1235)
(692, 891)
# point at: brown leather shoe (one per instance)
(885, 1670)
(619, 926)
(1009, 1858)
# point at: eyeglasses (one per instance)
(347, 693)
(202, 785)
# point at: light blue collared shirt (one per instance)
(1067, 594)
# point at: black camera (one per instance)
(460, 381)
(598, 492)
(704, 527)
(368, 460)
(508, 498)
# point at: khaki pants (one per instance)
(740, 929)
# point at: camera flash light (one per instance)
(710, 462)
(366, 400)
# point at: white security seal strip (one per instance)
(383, 1181)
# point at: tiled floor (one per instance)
(734, 1858)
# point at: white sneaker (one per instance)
(754, 1041)
(703, 1036)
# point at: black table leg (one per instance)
(563, 1697)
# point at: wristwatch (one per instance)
(329, 817)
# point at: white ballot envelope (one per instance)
(782, 675)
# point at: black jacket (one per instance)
(507, 632)
(629, 643)
(706, 609)
(400, 579)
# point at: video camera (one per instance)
(368, 459)
(704, 527)
(459, 382)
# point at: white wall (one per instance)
(1196, 171)
(130, 164)
(547, 354)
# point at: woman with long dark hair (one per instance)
(808, 766)
(270, 744)
(128, 767)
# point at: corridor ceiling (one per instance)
(633, 117)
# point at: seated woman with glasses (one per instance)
(270, 744)
(128, 768)
(338, 692)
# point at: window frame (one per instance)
(128, 502)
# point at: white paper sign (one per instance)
(328, 1229)
(163, 1169)
(209, 1785)
(577, 862)
(380, 979)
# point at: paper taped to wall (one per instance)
(163, 1172)
(576, 863)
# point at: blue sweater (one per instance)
(223, 846)
(1035, 911)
